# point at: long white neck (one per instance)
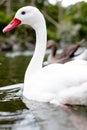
(38, 56)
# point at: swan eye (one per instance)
(23, 12)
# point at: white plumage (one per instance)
(55, 83)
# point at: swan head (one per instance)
(25, 15)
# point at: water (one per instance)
(18, 113)
(14, 115)
(12, 69)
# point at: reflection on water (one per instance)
(14, 115)
(18, 113)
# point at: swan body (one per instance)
(55, 83)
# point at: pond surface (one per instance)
(12, 68)
(14, 115)
(17, 113)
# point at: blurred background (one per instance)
(66, 23)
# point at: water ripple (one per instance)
(14, 115)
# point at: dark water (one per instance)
(12, 68)
(14, 115)
(17, 113)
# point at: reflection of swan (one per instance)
(67, 54)
(39, 116)
(13, 110)
(55, 83)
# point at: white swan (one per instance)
(55, 83)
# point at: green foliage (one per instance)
(4, 18)
(78, 15)
(52, 11)
(68, 29)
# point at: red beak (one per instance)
(14, 23)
